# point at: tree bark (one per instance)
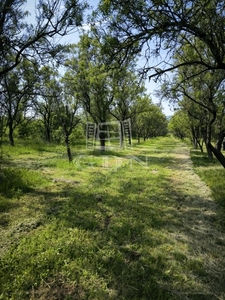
(11, 139)
(102, 136)
(220, 157)
(102, 141)
(67, 141)
(194, 137)
(139, 139)
(209, 152)
(201, 147)
(48, 134)
(220, 140)
(121, 135)
(207, 139)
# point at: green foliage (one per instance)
(88, 78)
(179, 124)
(104, 87)
(16, 87)
(168, 28)
(150, 120)
(19, 39)
(79, 133)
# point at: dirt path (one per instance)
(198, 214)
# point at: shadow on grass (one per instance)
(120, 236)
(116, 262)
(98, 152)
(212, 173)
(131, 247)
(200, 159)
(5, 208)
(14, 182)
(37, 163)
(120, 259)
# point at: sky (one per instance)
(151, 86)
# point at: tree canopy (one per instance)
(20, 39)
(165, 25)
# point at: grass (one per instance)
(213, 174)
(116, 226)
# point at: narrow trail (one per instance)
(198, 213)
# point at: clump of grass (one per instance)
(15, 181)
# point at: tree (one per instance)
(3, 119)
(68, 113)
(106, 87)
(19, 40)
(150, 122)
(179, 124)
(166, 25)
(128, 94)
(48, 91)
(17, 96)
(92, 79)
(200, 96)
(70, 109)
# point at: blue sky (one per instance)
(151, 86)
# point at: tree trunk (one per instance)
(102, 142)
(196, 139)
(121, 135)
(197, 143)
(11, 139)
(220, 157)
(220, 140)
(201, 147)
(209, 152)
(48, 134)
(102, 136)
(67, 141)
(207, 140)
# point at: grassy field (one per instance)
(135, 224)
